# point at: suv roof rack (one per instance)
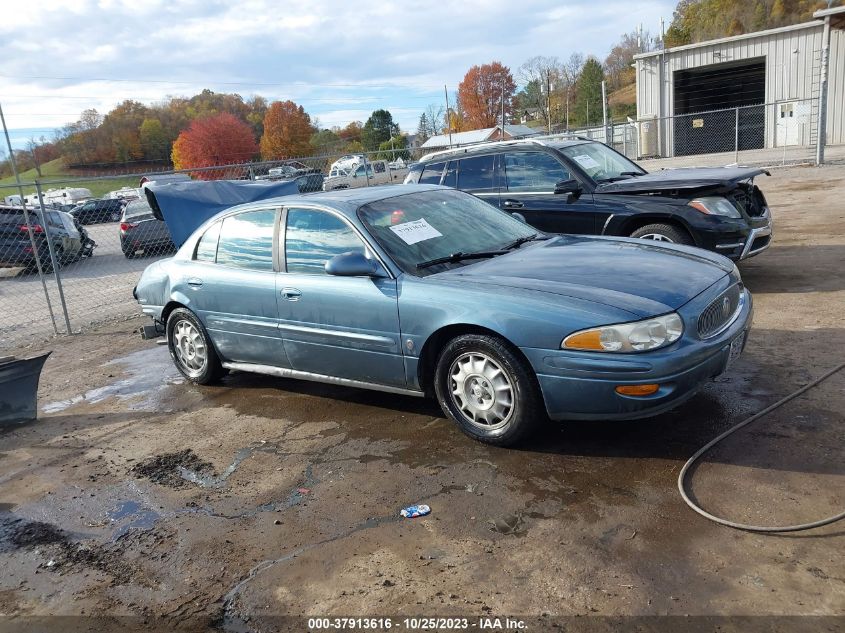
(537, 140)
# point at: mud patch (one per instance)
(168, 469)
(16, 533)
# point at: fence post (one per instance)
(53, 259)
(34, 246)
(736, 138)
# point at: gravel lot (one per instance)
(226, 507)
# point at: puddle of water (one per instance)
(148, 372)
(141, 518)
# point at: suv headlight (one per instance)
(715, 205)
(638, 336)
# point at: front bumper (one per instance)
(582, 386)
(758, 239)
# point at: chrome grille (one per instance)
(720, 312)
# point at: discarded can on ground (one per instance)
(415, 511)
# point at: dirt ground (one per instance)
(140, 501)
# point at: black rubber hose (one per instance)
(746, 422)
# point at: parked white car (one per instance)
(377, 172)
(347, 162)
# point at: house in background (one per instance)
(473, 137)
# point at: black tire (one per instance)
(668, 232)
(210, 370)
(128, 253)
(526, 409)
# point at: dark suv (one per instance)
(70, 242)
(95, 211)
(581, 186)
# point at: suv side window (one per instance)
(313, 237)
(533, 171)
(207, 244)
(451, 177)
(476, 173)
(246, 240)
(431, 174)
(379, 168)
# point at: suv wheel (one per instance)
(191, 348)
(663, 233)
(487, 390)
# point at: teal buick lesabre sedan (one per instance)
(430, 291)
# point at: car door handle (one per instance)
(512, 204)
(291, 294)
(194, 282)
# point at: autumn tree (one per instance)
(378, 129)
(543, 77)
(154, 140)
(482, 92)
(287, 131)
(218, 139)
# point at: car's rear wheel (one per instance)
(663, 233)
(191, 348)
(487, 389)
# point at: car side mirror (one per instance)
(568, 186)
(353, 264)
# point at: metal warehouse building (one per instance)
(754, 91)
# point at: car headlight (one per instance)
(715, 205)
(638, 336)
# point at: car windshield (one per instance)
(601, 163)
(427, 225)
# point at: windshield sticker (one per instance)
(416, 231)
(586, 161)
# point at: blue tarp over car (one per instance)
(184, 206)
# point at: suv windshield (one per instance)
(601, 163)
(420, 227)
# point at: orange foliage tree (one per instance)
(219, 139)
(480, 95)
(287, 131)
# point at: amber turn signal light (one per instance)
(637, 390)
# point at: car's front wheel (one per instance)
(663, 233)
(191, 348)
(487, 389)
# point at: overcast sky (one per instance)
(340, 60)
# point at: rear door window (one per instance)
(246, 240)
(431, 174)
(533, 171)
(476, 173)
(207, 245)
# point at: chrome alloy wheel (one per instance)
(657, 237)
(481, 390)
(189, 347)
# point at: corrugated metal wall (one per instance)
(792, 74)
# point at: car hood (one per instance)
(644, 278)
(682, 178)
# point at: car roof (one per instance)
(345, 200)
(495, 146)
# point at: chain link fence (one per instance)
(71, 254)
(769, 134)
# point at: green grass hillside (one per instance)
(55, 170)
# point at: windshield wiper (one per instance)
(613, 178)
(522, 240)
(631, 173)
(458, 257)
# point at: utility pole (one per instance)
(502, 86)
(549, 98)
(604, 110)
(448, 116)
